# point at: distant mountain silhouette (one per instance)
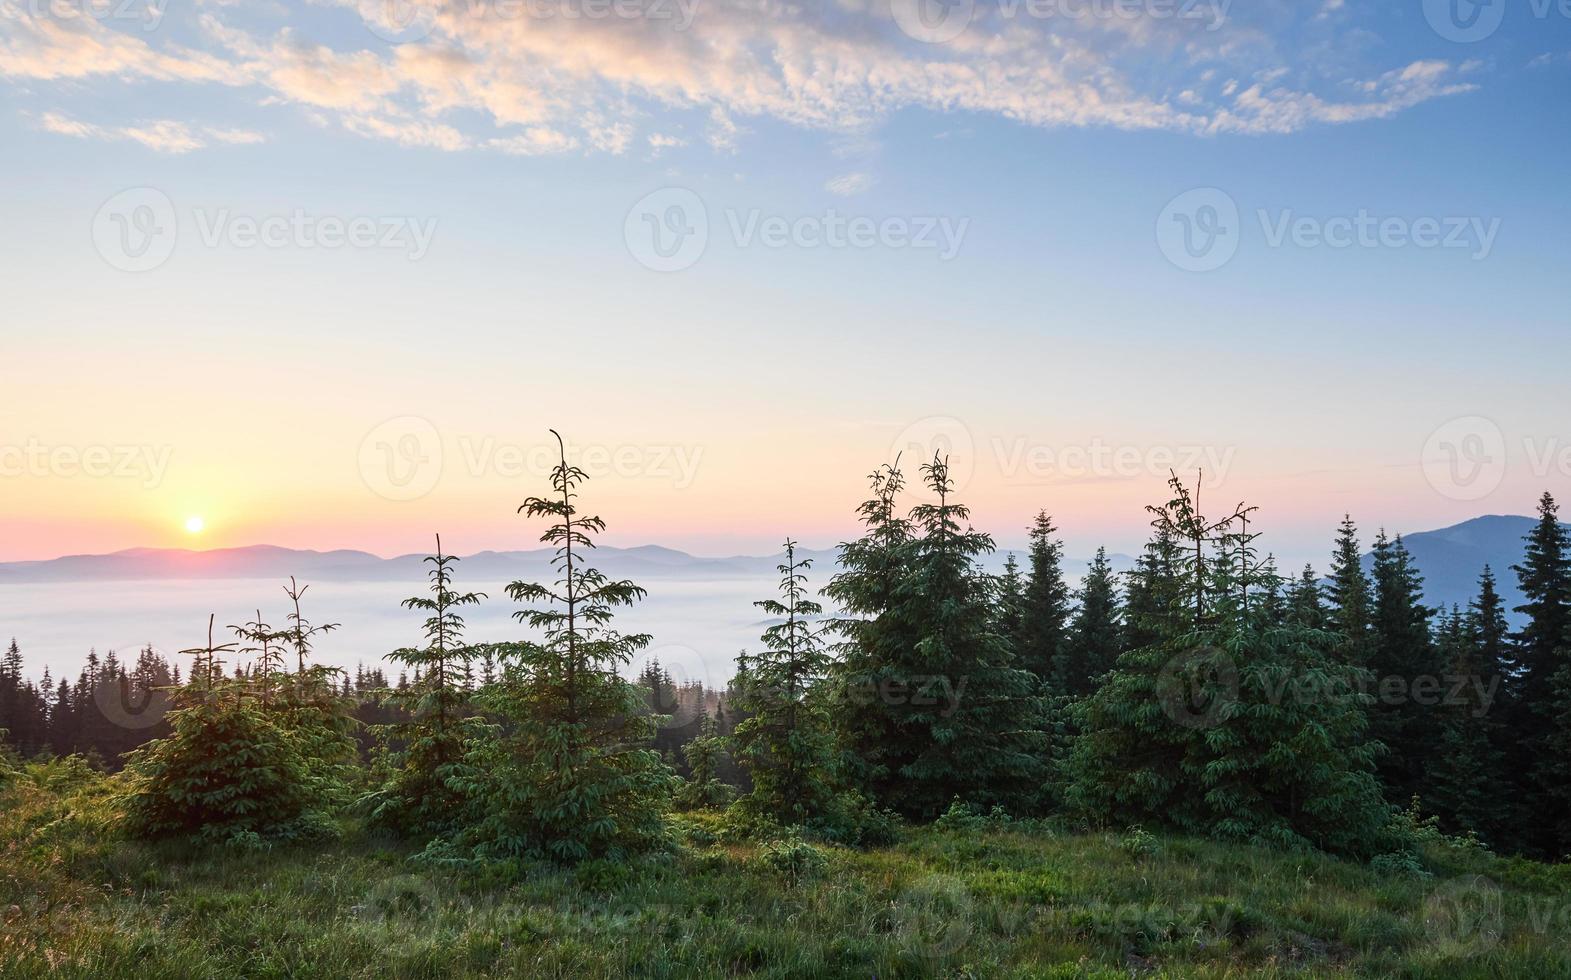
(1452, 558)
(269, 561)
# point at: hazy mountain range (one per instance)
(1450, 558)
(699, 610)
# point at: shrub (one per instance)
(228, 767)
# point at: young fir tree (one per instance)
(422, 794)
(227, 768)
(1304, 605)
(1232, 726)
(875, 639)
(786, 745)
(1010, 602)
(1540, 720)
(310, 706)
(1402, 657)
(705, 754)
(1350, 597)
(968, 722)
(1044, 620)
(265, 645)
(1152, 593)
(1095, 636)
(1467, 786)
(571, 777)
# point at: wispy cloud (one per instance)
(163, 135)
(541, 85)
(847, 185)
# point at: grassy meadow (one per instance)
(964, 898)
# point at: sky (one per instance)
(325, 274)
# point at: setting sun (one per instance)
(194, 524)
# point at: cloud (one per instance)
(528, 79)
(163, 135)
(847, 185)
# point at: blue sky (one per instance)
(533, 149)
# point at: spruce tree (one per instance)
(1402, 659)
(968, 721)
(421, 794)
(786, 745)
(571, 776)
(1044, 620)
(1350, 597)
(1232, 726)
(1096, 634)
(1304, 605)
(1540, 721)
(1467, 784)
(705, 754)
(1010, 602)
(875, 638)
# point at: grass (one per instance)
(996, 900)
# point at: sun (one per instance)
(194, 524)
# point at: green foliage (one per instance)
(1403, 653)
(1239, 728)
(786, 745)
(1466, 782)
(950, 712)
(1350, 596)
(1044, 620)
(1540, 721)
(423, 793)
(1096, 635)
(703, 789)
(229, 768)
(569, 776)
(793, 858)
